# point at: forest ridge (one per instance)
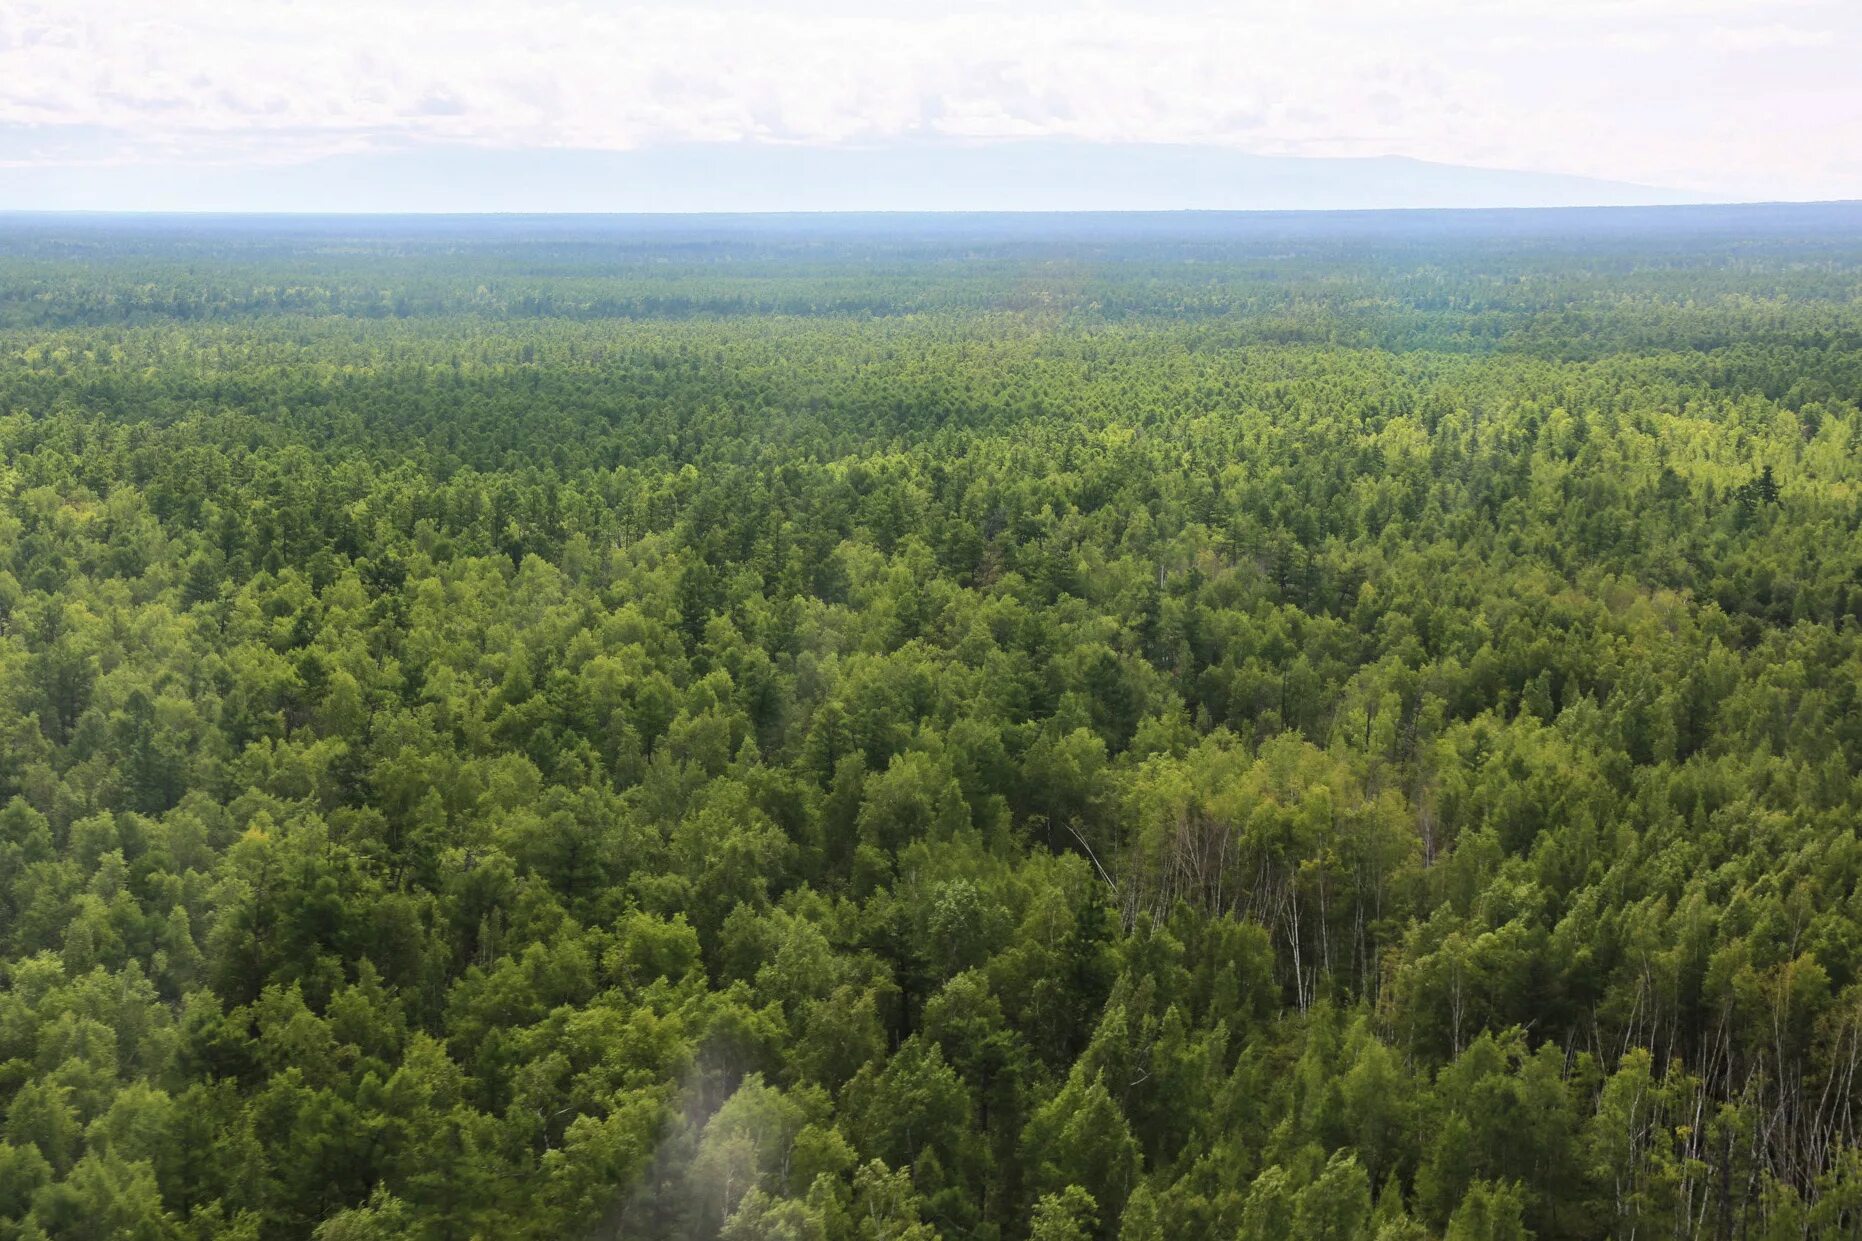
(1341, 726)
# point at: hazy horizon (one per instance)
(1030, 175)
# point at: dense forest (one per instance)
(1056, 728)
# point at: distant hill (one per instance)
(1013, 176)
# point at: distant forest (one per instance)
(885, 728)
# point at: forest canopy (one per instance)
(1024, 728)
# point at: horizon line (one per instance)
(822, 212)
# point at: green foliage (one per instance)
(1140, 729)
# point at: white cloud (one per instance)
(1736, 96)
(1758, 38)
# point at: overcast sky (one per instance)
(1729, 98)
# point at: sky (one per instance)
(1722, 99)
